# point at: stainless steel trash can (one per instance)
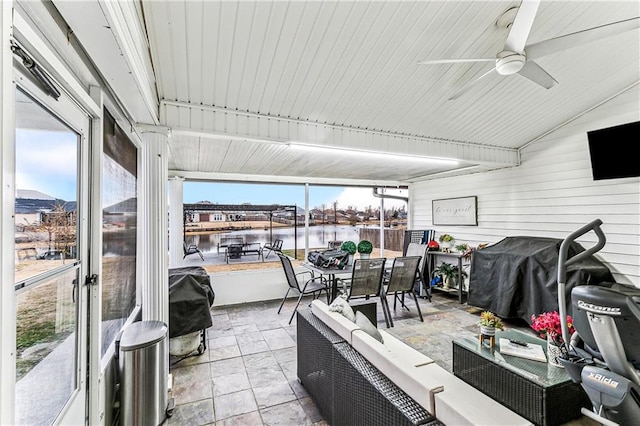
(144, 358)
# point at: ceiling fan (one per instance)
(518, 57)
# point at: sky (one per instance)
(238, 193)
(47, 162)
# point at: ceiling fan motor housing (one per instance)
(508, 63)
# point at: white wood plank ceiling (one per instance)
(346, 74)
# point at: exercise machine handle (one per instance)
(563, 262)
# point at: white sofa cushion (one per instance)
(337, 322)
(459, 403)
(472, 407)
(406, 352)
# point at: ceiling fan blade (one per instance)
(453, 61)
(469, 85)
(535, 73)
(521, 27)
(558, 44)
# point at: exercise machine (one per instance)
(603, 354)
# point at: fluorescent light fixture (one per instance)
(371, 154)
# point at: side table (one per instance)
(537, 391)
(431, 265)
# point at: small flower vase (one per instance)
(487, 331)
(553, 353)
(365, 255)
(350, 261)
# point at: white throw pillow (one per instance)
(341, 306)
(365, 324)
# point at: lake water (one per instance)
(319, 236)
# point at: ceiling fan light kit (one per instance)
(508, 63)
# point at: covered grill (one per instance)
(190, 297)
(518, 276)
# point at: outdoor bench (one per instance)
(355, 379)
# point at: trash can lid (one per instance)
(142, 334)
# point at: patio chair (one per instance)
(275, 246)
(313, 285)
(191, 249)
(423, 286)
(366, 281)
(401, 281)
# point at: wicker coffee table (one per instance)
(537, 391)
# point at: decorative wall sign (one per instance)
(455, 211)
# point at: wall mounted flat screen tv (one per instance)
(612, 151)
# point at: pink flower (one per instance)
(548, 323)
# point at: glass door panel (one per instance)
(46, 343)
(47, 186)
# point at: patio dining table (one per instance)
(236, 251)
(332, 275)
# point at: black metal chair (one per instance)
(401, 281)
(423, 285)
(366, 281)
(313, 285)
(191, 249)
(275, 246)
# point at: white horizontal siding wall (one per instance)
(551, 194)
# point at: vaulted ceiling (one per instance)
(246, 89)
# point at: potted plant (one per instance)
(349, 247)
(446, 241)
(547, 324)
(462, 247)
(365, 248)
(489, 322)
(449, 274)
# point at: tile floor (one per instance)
(247, 375)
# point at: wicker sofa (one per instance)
(356, 380)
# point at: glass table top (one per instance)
(543, 373)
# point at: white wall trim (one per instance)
(235, 177)
(7, 236)
(283, 129)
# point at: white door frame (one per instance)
(67, 110)
(15, 28)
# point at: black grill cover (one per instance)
(190, 296)
(518, 276)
